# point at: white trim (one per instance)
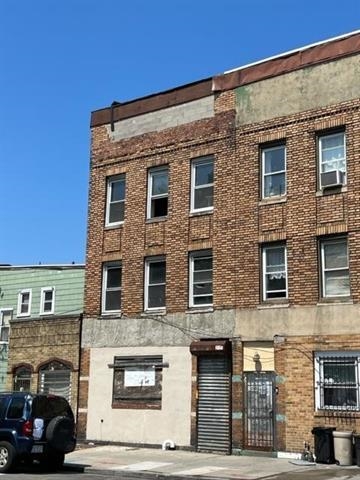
(20, 296)
(323, 243)
(105, 268)
(109, 185)
(263, 174)
(148, 262)
(44, 290)
(194, 164)
(284, 54)
(7, 325)
(151, 173)
(193, 256)
(265, 249)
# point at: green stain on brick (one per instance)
(237, 415)
(236, 378)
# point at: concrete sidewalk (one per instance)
(145, 463)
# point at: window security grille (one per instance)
(338, 382)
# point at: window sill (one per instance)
(149, 313)
(335, 301)
(331, 191)
(113, 227)
(200, 310)
(111, 315)
(156, 219)
(273, 200)
(202, 212)
(278, 304)
(337, 413)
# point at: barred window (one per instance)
(337, 380)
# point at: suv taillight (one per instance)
(27, 428)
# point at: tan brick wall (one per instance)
(44, 340)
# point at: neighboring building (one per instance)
(223, 278)
(41, 312)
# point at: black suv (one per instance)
(35, 427)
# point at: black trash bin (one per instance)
(324, 444)
(356, 438)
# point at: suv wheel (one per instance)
(7, 455)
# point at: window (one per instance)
(337, 380)
(155, 283)
(47, 302)
(111, 292)
(335, 268)
(332, 156)
(274, 272)
(158, 180)
(115, 200)
(55, 379)
(5, 317)
(273, 171)
(22, 379)
(202, 184)
(201, 279)
(137, 381)
(24, 303)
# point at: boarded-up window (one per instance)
(137, 382)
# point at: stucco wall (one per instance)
(298, 91)
(141, 426)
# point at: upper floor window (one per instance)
(337, 380)
(155, 283)
(202, 184)
(273, 171)
(115, 200)
(274, 272)
(111, 289)
(332, 159)
(47, 301)
(5, 317)
(24, 303)
(335, 267)
(201, 279)
(158, 186)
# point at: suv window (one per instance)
(16, 408)
(50, 407)
(3, 404)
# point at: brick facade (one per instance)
(237, 229)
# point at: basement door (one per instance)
(213, 412)
(259, 410)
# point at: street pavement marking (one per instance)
(200, 470)
(144, 466)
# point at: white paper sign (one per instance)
(139, 378)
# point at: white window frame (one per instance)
(265, 250)
(148, 262)
(194, 164)
(20, 297)
(45, 290)
(319, 359)
(194, 256)
(323, 270)
(109, 186)
(277, 172)
(320, 154)
(106, 267)
(152, 172)
(7, 325)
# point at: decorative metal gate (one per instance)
(259, 411)
(213, 413)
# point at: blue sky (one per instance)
(61, 59)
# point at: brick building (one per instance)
(40, 314)
(222, 276)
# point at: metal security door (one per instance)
(259, 411)
(213, 413)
